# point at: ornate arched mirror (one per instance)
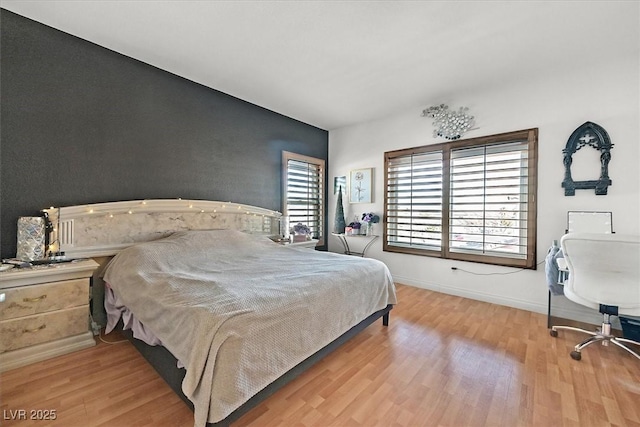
(587, 135)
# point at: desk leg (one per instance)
(562, 276)
(549, 312)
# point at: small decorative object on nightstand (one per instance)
(44, 312)
(302, 233)
(31, 238)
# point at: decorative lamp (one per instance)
(285, 231)
(31, 238)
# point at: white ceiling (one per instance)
(336, 63)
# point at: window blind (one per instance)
(305, 194)
(488, 199)
(414, 201)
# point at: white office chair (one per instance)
(604, 273)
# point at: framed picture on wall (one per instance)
(360, 186)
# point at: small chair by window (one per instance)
(604, 273)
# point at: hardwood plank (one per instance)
(443, 360)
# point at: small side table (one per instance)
(347, 250)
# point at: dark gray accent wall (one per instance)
(83, 124)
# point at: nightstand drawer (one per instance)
(29, 300)
(39, 328)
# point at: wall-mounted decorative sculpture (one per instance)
(447, 123)
(592, 135)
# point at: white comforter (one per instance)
(239, 310)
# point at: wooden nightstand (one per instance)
(44, 312)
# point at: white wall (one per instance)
(556, 103)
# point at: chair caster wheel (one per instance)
(553, 333)
(576, 355)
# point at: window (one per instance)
(303, 179)
(471, 200)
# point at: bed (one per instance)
(227, 315)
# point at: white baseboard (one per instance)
(36, 353)
(577, 313)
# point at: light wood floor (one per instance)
(443, 361)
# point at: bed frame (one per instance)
(165, 365)
(101, 230)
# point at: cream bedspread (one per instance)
(239, 310)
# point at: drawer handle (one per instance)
(40, 298)
(39, 328)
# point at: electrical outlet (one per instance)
(96, 328)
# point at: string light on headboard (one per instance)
(117, 208)
(112, 209)
(80, 230)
